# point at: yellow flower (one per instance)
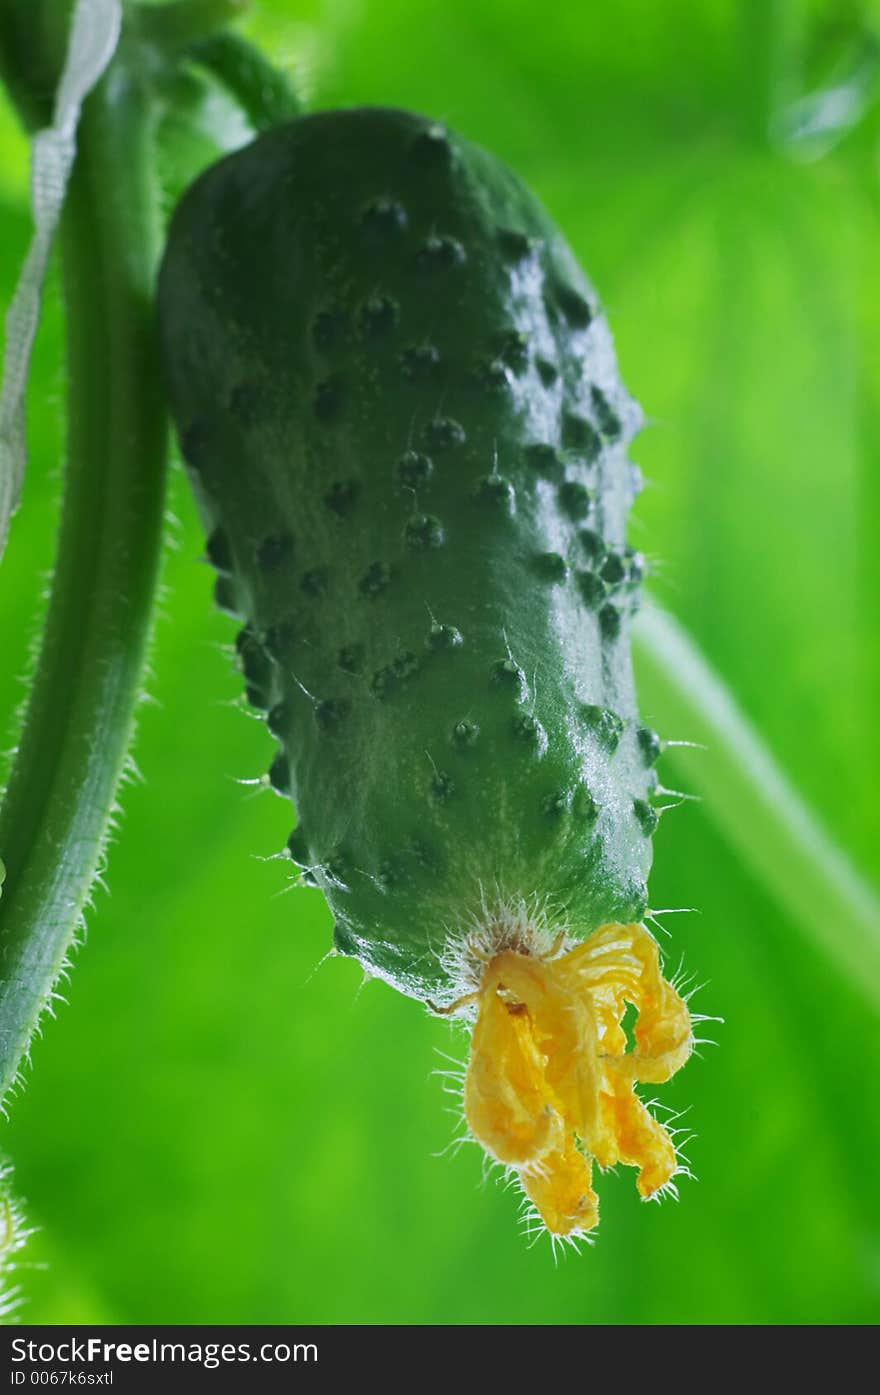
(550, 1084)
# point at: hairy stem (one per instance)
(755, 805)
(79, 719)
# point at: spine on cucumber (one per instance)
(399, 405)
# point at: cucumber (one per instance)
(399, 406)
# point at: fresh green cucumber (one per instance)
(399, 405)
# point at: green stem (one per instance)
(183, 22)
(33, 35)
(79, 720)
(755, 805)
(261, 90)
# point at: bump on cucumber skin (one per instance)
(397, 399)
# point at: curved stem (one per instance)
(261, 90)
(756, 806)
(183, 22)
(79, 720)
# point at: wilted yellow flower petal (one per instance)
(551, 1080)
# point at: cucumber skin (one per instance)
(442, 652)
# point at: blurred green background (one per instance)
(222, 1126)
